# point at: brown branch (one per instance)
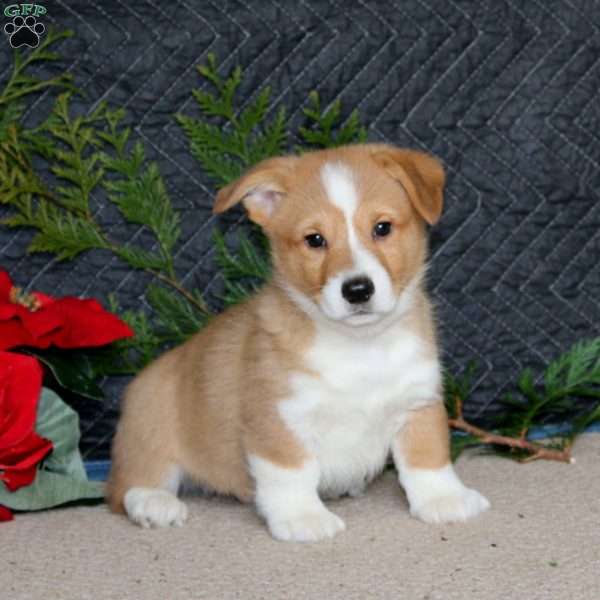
(198, 303)
(537, 451)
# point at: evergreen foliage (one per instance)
(225, 140)
(93, 154)
(570, 383)
(243, 268)
(324, 130)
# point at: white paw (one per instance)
(309, 526)
(459, 505)
(151, 507)
(357, 492)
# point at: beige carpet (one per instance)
(541, 539)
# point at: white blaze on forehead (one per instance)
(340, 187)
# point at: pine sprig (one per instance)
(142, 198)
(74, 160)
(22, 84)
(80, 158)
(64, 234)
(90, 154)
(576, 373)
(18, 180)
(225, 140)
(324, 129)
(573, 376)
(61, 217)
(132, 354)
(243, 269)
(178, 320)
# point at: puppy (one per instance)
(302, 392)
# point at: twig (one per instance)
(200, 304)
(6, 98)
(537, 451)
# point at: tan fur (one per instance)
(424, 440)
(207, 404)
(421, 175)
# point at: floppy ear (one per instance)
(421, 175)
(260, 189)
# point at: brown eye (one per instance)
(315, 240)
(382, 229)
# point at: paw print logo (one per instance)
(24, 32)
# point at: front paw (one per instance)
(459, 505)
(152, 507)
(309, 526)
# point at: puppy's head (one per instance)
(346, 225)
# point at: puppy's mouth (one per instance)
(362, 316)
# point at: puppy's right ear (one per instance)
(260, 189)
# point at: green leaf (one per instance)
(66, 236)
(142, 259)
(579, 367)
(457, 388)
(177, 316)
(51, 489)
(226, 143)
(255, 112)
(324, 128)
(62, 476)
(9, 116)
(243, 269)
(73, 369)
(142, 199)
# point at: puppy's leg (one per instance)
(145, 487)
(286, 496)
(145, 473)
(421, 453)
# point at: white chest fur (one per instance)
(348, 412)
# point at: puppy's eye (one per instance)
(315, 240)
(382, 229)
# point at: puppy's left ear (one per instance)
(421, 175)
(260, 189)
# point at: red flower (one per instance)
(5, 514)
(21, 448)
(38, 320)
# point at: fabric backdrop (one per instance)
(505, 93)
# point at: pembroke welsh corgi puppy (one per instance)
(302, 392)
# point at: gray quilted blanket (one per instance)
(505, 92)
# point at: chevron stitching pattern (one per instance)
(506, 93)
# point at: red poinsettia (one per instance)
(39, 321)
(21, 448)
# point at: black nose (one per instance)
(358, 290)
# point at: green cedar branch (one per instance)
(324, 128)
(21, 84)
(226, 140)
(533, 450)
(77, 151)
(572, 377)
